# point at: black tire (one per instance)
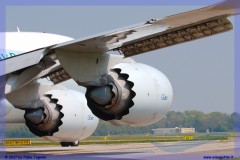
(74, 144)
(65, 144)
(71, 144)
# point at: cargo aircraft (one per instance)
(118, 89)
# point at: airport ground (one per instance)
(174, 150)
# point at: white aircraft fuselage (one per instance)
(16, 43)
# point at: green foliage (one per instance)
(214, 122)
(18, 131)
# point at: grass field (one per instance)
(135, 139)
(146, 139)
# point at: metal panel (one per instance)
(58, 75)
(22, 61)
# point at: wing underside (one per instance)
(176, 36)
(148, 36)
(156, 34)
(22, 61)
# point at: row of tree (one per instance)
(214, 122)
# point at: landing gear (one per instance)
(70, 144)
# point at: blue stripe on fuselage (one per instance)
(7, 55)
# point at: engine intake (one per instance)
(131, 94)
(45, 120)
(113, 100)
(61, 115)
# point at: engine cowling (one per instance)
(61, 115)
(135, 95)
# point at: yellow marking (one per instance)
(187, 138)
(232, 135)
(105, 138)
(17, 142)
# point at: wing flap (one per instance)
(57, 75)
(176, 36)
(172, 30)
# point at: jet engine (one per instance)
(133, 94)
(61, 115)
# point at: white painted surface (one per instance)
(153, 98)
(20, 43)
(78, 120)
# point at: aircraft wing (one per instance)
(156, 34)
(151, 35)
(22, 61)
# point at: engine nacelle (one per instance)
(61, 115)
(135, 95)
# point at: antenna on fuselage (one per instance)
(18, 29)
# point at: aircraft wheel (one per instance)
(71, 144)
